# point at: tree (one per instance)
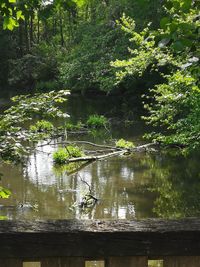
(173, 51)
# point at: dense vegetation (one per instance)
(173, 52)
(72, 44)
(67, 43)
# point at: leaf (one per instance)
(3, 218)
(173, 27)
(186, 5)
(186, 42)
(9, 23)
(178, 46)
(4, 193)
(19, 15)
(164, 22)
(176, 4)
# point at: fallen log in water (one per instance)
(93, 158)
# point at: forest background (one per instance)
(149, 49)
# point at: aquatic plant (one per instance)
(63, 154)
(96, 121)
(121, 143)
(73, 127)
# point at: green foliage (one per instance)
(87, 66)
(47, 85)
(63, 154)
(10, 13)
(4, 193)
(173, 51)
(121, 143)
(42, 126)
(74, 127)
(97, 121)
(13, 130)
(99, 41)
(60, 156)
(68, 43)
(38, 69)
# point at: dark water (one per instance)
(142, 185)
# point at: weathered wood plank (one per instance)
(11, 263)
(32, 264)
(99, 239)
(63, 262)
(182, 261)
(127, 262)
(91, 263)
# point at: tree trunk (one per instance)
(26, 35)
(61, 28)
(31, 28)
(38, 27)
(21, 39)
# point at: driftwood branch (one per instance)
(81, 142)
(144, 147)
(93, 158)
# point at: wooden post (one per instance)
(127, 262)
(189, 261)
(63, 262)
(11, 263)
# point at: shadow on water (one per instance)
(139, 186)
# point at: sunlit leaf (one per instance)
(4, 193)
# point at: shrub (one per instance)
(63, 154)
(60, 156)
(96, 121)
(47, 85)
(70, 126)
(42, 126)
(121, 143)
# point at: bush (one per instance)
(47, 85)
(60, 156)
(121, 143)
(73, 127)
(42, 126)
(63, 154)
(97, 121)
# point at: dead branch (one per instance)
(144, 147)
(93, 158)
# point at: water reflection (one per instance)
(140, 186)
(42, 192)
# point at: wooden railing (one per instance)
(70, 243)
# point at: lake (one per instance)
(142, 185)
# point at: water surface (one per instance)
(142, 185)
